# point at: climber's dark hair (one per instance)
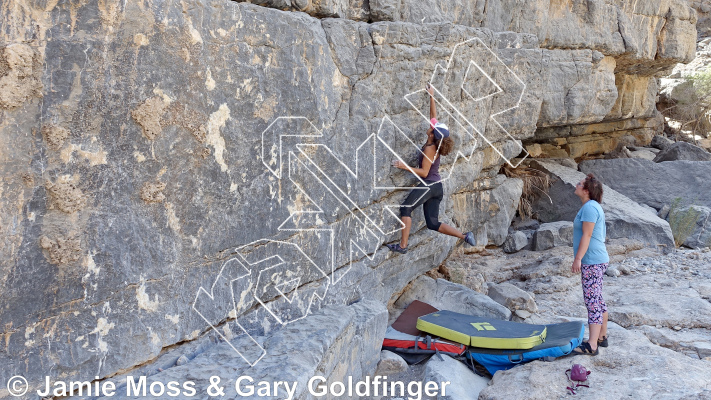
(445, 146)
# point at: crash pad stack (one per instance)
(404, 339)
(493, 343)
(482, 332)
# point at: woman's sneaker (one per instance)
(469, 238)
(396, 248)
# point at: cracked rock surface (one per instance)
(133, 164)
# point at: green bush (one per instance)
(702, 84)
(702, 87)
(682, 220)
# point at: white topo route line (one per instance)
(272, 273)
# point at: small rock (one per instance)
(181, 360)
(300, 4)
(624, 269)
(522, 314)
(613, 272)
(525, 225)
(703, 349)
(512, 297)
(464, 384)
(645, 154)
(664, 212)
(553, 234)
(676, 328)
(515, 242)
(390, 364)
(660, 142)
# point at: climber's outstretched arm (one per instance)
(433, 110)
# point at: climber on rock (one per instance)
(438, 144)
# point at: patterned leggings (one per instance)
(592, 291)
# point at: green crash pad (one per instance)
(483, 332)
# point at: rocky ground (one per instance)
(660, 321)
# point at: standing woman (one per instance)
(438, 144)
(591, 260)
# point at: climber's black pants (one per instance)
(429, 202)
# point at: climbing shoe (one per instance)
(469, 238)
(396, 248)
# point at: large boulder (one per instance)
(512, 297)
(694, 221)
(624, 217)
(654, 184)
(445, 295)
(682, 151)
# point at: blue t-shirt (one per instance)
(591, 211)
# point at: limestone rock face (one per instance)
(605, 53)
(161, 150)
(156, 154)
(490, 206)
(703, 12)
(20, 74)
(334, 343)
(631, 31)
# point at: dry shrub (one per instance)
(535, 185)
